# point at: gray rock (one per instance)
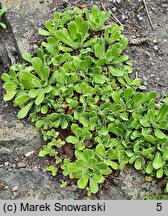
(3, 54)
(17, 138)
(133, 184)
(32, 185)
(25, 18)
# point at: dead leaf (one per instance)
(69, 150)
(2, 186)
(83, 6)
(149, 178)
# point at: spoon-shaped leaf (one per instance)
(158, 161)
(24, 111)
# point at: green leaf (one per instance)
(114, 165)
(158, 161)
(148, 151)
(115, 71)
(2, 25)
(33, 93)
(101, 62)
(43, 32)
(146, 131)
(92, 162)
(150, 138)
(47, 89)
(144, 123)
(24, 111)
(64, 37)
(53, 116)
(151, 116)
(165, 152)
(44, 109)
(115, 96)
(138, 97)
(98, 177)
(104, 131)
(149, 168)
(43, 153)
(162, 112)
(64, 124)
(5, 77)
(10, 86)
(39, 123)
(159, 134)
(115, 130)
(27, 57)
(128, 93)
(121, 59)
(83, 181)
(10, 95)
(103, 168)
(99, 78)
(36, 82)
(95, 11)
(3, 10)
(76, 167)
(100, 149)
(52, 169)
(72, 139)
(40, 98)
(99, 50)
(45, 73)
(72, 27)
(21, 99)
(38, 66)
(138, 164)
(160, 173)
(93, 185)
(163, 124)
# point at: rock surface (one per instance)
(17, 138)
(25, 18)
(34, 184)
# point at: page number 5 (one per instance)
(159, 207)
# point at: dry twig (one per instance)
(113, 17)
(150, 21)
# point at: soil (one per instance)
(148, 50)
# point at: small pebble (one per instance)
(123, 17)
(21, 165)
(6, 163)
(114, 9)
(140, 18)
(15, 188)
(155, 41)
(41, 1)
(29, 153)
(155, 47)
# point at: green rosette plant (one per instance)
(77, 91)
